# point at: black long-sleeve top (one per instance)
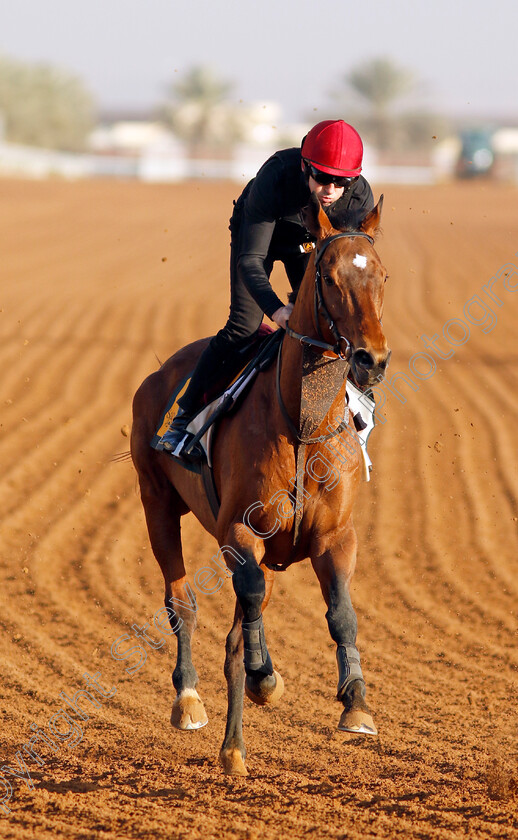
(278, 194)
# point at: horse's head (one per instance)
(349, 280)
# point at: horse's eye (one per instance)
(328, 280)
(386, 278)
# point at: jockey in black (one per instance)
(267, 225)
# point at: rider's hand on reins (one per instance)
(281, 316)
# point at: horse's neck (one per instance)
(302, 321)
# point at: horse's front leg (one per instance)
(334, 569)
(262, 684)
(247, 659)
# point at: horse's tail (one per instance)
(121, 457)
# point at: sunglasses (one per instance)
(324, 178)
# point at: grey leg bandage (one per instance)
(256, 656)
(349, 668)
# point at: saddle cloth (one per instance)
(357, 402)
(360, 403)
(264, 351)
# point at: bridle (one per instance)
(321, 308)
(336, 349)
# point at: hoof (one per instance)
(357, 722)
(232, 763)
(188, 711)
(264, 693)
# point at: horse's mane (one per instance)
(345, 219)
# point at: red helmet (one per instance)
(335, 147)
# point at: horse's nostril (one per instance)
(363, 359)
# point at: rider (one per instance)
(267, 225)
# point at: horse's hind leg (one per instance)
(163, 510)
(334, 571)
(233, 752)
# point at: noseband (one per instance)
(320, 306)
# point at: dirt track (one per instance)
(99, 279)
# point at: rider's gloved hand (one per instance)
(280, 316)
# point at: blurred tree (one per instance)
(42, 105)
(198, 111)
(422, 129)
(378, 85)
(381, 83)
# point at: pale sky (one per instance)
(294, 52)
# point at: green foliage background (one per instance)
(42, 105)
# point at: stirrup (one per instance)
(193, 454)
(178, 447)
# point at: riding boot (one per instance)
(177, 434)
(177, 437)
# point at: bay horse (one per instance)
(338, 312)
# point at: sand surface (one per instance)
(101, 279)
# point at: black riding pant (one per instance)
(245, 315)
(222, 357)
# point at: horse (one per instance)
(267, 494)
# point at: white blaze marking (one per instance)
(360, 261)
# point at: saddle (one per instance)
(228, 399)
(219, 401)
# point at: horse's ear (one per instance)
(316, 219)
(371, 222)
